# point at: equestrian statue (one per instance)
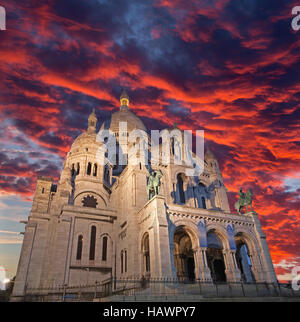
(153, 184)
(244, 201)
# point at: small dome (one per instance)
(209, 155)
(84, 139)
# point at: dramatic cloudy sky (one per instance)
(230, 67)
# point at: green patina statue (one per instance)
(244, 201)
(154, 184)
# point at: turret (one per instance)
(42, 196)
(92, 121)
(217, 179)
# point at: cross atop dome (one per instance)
(124, 100)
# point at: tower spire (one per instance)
(92, 122)
(124, 100)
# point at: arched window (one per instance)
(95, 170)
(172, 146)
(89, 168)
(180, 188)
(203, 202)
(93, 243)
(104, 248)
(79, 247)
(43, 190)
(78, 168)
(146, 253)
(122, 260)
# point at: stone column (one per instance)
(232, 271)
(173, 260)
(202, 271)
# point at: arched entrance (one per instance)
(183, 255)
(243, 259)
(215, 259)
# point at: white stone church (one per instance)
(97, 223)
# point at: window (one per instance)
(122, 262)
(146, 253)
(95, 170)
(104, 248)
(89, 201)
(93, 243)
(180, 188)
(203, 203)
(43, 190)
(89, 168)
(106, 175)
(78, 168)
(79, 247)
(125, 260)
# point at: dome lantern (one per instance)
(124, 100)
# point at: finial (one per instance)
(124, 100)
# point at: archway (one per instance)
(243, 259)
(183, 255)
(215, 259)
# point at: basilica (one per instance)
(100, 223)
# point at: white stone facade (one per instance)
(97, 224)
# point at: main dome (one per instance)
(89, 137)
(123, 115)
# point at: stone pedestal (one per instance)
(159, 239)
(266, 259)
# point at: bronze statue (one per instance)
(244, 201)
(154, 184)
